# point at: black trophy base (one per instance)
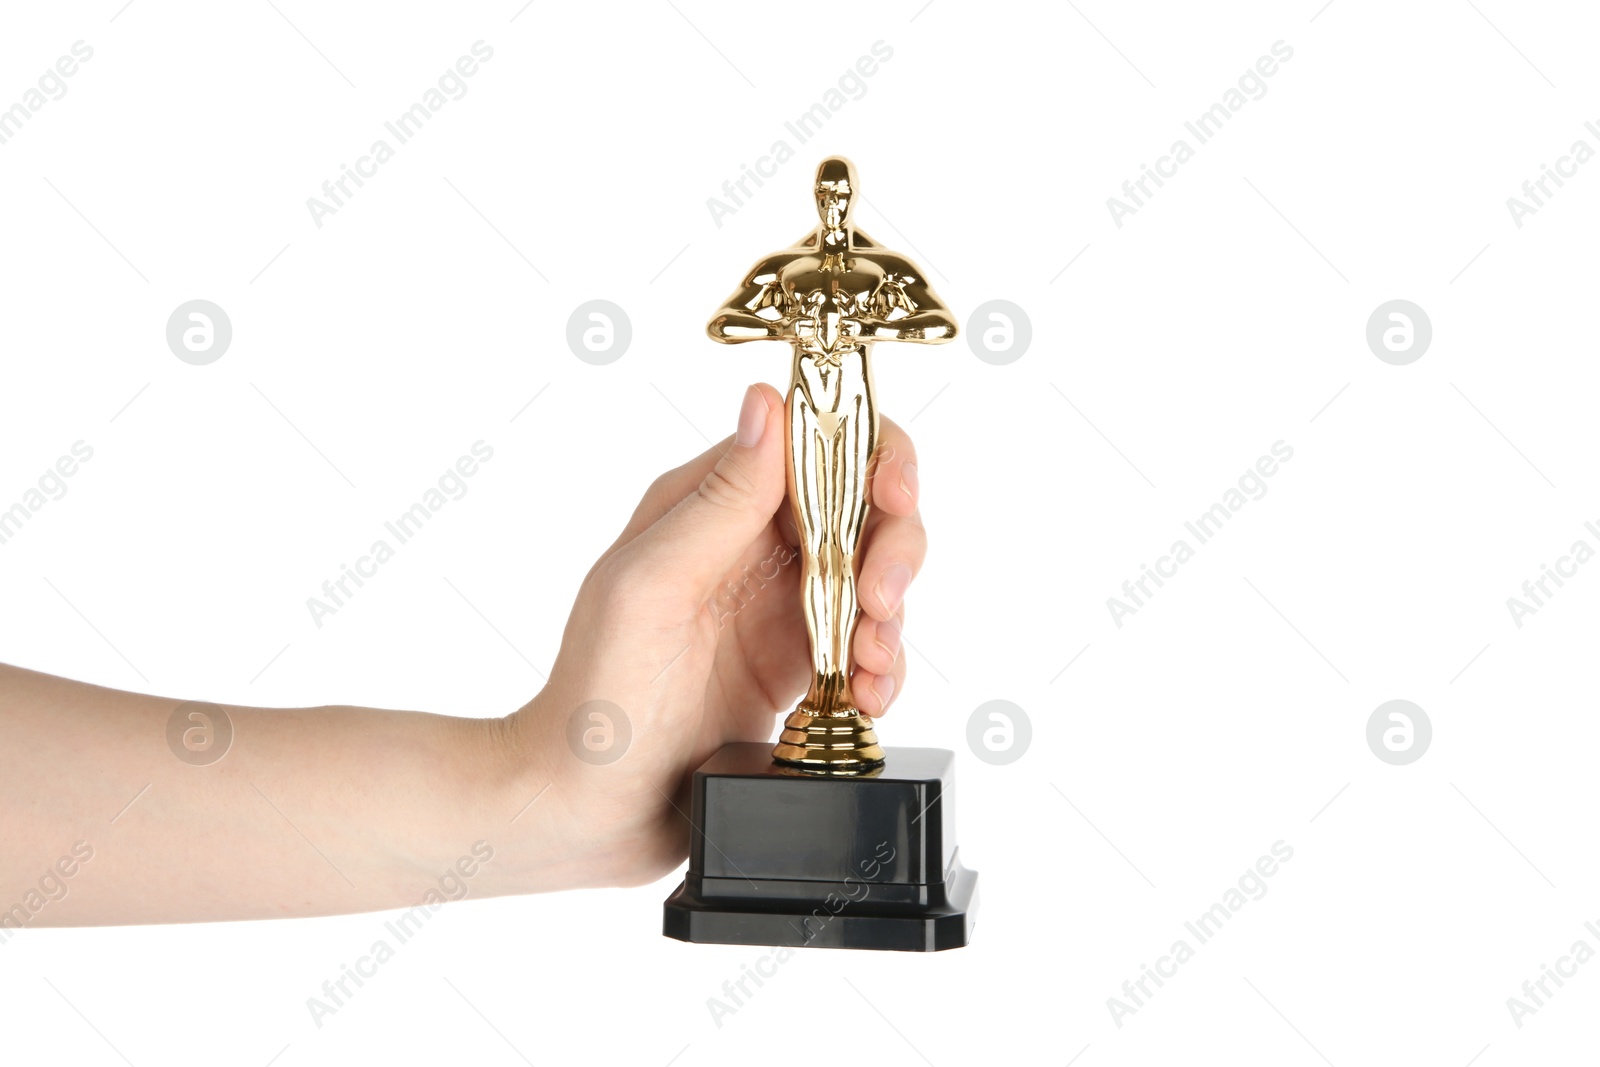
(780, 856)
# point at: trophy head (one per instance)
(835, 189)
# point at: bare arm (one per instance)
(311, 811)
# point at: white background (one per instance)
(1229, 313)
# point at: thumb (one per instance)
(710, 530)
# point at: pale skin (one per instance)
(318, 811)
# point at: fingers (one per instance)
(665, 492)
(896, 542)
(877, 644)
(879, 672)
(670, 488)
(893, 485)
(896, 548)
(694, 544)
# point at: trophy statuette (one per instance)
(819, 843)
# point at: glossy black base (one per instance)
(781, 857)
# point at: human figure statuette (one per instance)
(831, 297)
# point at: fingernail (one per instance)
(889, 638)
(752, 419)
(892, 587)
(908, 481)
(884, 687)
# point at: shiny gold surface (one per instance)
(832, 296)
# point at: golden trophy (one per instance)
(818, 843)
(831, 296)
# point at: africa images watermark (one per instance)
(402, 528)
(402, 128)
(1203, 528)
(452, 885)
(805, 126)
(738, 991)
(52, 485)
(1253, 881)
(736, 596)
(1537, 590)
(52, 85)
(1202, 128)
(51, 888)
(1537, 190)
(1535, 991)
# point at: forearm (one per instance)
(310, 812)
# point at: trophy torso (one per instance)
(829, 298)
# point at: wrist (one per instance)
(517, 805)
(569, 823)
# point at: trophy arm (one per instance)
(932, 326)
(906, 307)
(755, 311)
(735, 325)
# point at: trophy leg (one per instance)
(827, 471)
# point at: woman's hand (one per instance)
(688, 634)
